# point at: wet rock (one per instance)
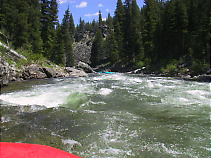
(203, 78)
(5, 72)
(50, 72)
(186, 77)
(72, 72)
(33, 72)
(85, 67)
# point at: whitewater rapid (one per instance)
(110, 115)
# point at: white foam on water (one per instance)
(5, 119)
(50, 95)
(198, 93)
(71, 143)
(48, 99)
(136, 80)
(105, 91)
(111, 151)
(150, 84)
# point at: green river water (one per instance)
(110, 116)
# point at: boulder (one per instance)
(72, 72)
(5, 72)
(50, 72)
(85, 67)
(33, 72)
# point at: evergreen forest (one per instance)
(162, 35)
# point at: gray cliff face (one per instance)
(82, 52)
(83, 43)
(82, 46)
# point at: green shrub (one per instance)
(198, 67)
(171, 68)
(139, 64)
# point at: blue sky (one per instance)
(88, 9)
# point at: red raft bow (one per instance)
(22, 150)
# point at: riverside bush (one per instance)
(198, 67)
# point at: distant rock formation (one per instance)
(83, 43)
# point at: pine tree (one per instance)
(67, 40)
(100, 21)
(49, 20)
(137, 50)
(72, 26)
(109, 21)
(94, 25)
(118, 27)
(111, 48)
(97, 49)
(34, 26)
(88, 27)
(2, 14)
(81, 25)
(58, 56)
(131, 33)
(119, 13)
(70, 60)
(16, 21)
(199, 29)
(151, 17)
(181, 22)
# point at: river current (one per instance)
(110, 116)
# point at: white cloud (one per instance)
(108, 10)
(104, 19)
(90, 15)
(82, 5)
(65, 1)
(100, 5)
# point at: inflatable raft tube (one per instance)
(106, 72)
(22, 150)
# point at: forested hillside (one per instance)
(161, 36)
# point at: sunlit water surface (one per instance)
(110, 116)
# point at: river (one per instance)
(110, 116)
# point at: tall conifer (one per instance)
(97, 49)
(34, 23)
(100, 21)
(111, 48)
(66, 37)
(149, 24)
(118, 26)
(58, 56)
(49, 20)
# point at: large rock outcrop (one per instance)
(33, 72)
(5, 72)
(82, 52)
(83, 43)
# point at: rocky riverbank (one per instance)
(33, 71)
